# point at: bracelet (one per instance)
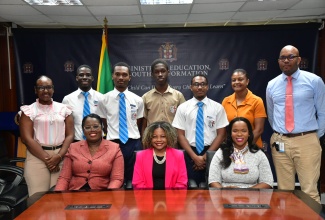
(59, 155)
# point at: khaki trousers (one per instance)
(302, 155)
(37, 176)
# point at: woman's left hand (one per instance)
(52, 162)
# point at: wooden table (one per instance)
(175, 204)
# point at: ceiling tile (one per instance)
(211, 17)
(114, 10)
(151, 19)
(302, 12)
(63, 10)
(165, 9)
(255, 15)
(125, 19)
(18, 10)
(268, 5)
(110, 2)
(310, 4)
(222, 7)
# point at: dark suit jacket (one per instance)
(103, 170)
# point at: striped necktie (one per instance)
(86, 110)
(123, 127)
(199, 129)
(289, 117)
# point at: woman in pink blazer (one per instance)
(94, 163)
(159, 166)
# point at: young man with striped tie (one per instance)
(123, 111)
(84, 100)
(201, 126)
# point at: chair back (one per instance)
(128, 183)
(13, 192)
(209, 156)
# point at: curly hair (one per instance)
(169, 130)
(228, 148)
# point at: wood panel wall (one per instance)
(8, 96)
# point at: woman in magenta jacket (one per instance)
(159, 166)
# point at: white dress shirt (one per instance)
(214, 118)
(75, 101)
(109, 109)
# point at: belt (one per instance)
(296, 134)
(51, 148)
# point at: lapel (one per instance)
(148, 165)
(84, 150)
(170, 163)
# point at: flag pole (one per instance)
(105, 31)
(104, 80)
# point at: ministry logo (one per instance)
(168, 52)
(28, 67)
(304, 63)
(69, 66)
(262, 64)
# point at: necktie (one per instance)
(289, 119)
(122, 118)
(199, 132)
(86, 110)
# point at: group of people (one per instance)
(102, 132)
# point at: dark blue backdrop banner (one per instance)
(215, 52)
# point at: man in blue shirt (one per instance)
(296, 148)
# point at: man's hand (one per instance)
(199, 163)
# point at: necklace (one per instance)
(159, 161)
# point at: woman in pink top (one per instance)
(94, 163)
(46, 128)
(159, 166)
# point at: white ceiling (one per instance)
(130, 14)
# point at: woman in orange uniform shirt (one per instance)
(243, 103)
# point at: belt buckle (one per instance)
(53, 148)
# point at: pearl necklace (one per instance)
(156, 159)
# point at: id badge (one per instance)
(281, 147)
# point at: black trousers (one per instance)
(127, 150)
(197, 175)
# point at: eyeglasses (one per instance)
(203, 85)
(93, 127)
(290, 57)
(42, 88)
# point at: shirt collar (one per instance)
(116, 92)
(91, 91)
(295, 75)
(205, 100)
(168, 90)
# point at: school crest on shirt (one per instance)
(68, 66)
(28, 67)
(303, 63)
(211, 122)
(173, 109)
(262, 64)
(223, 64)
(168, 51)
